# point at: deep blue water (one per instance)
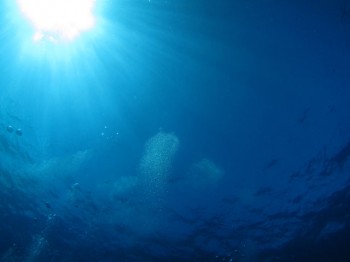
(178, 131)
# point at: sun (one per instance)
(58, 20)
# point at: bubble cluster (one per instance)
(157, 158)
(40, 242)
(18, 131)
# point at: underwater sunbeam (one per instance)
(58, 19)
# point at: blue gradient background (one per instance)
(260, 89)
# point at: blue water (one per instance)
(178, 131)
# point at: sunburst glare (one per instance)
(58, 20)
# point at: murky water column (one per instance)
(10, 254)
(204, 174)
(156, 164)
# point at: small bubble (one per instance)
(9, 129)
(19, 132)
